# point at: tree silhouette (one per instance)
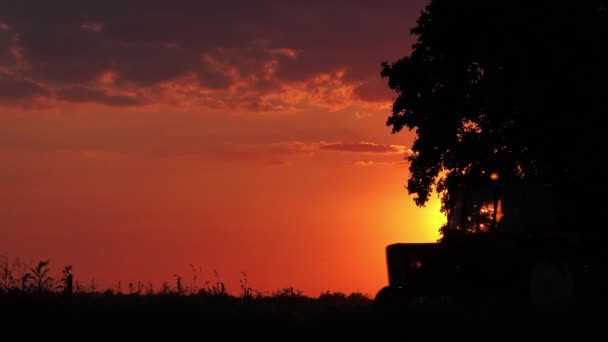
(514, 87)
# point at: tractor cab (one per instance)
(493, 240)
(506, 208)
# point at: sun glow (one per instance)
(419, 224)
(434, 219)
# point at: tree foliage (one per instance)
(514, 87)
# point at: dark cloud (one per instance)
(362, 147)
(148, 63)
(15, 89)
(64, 53)
(73, 43)
(211, 75)
(83, 94)
(7, 42)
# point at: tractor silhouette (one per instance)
(502, 242)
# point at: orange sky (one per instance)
(131, 148)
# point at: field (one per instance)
(282, 317)
(37, 307)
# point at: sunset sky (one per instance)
(138, 137)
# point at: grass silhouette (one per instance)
(35, 305)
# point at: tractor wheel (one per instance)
(396, 299)
(389, 295)
(551, 284)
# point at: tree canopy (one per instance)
(514, 87)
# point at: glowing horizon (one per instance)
(132, 149)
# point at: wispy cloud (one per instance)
(84, 94)
(284, 152)
(369, 163)
(363, 147)
(15, 88)
(278, 153)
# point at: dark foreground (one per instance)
(288, 318)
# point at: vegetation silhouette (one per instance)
(38, 307)
(506, 100)
(514, 87)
